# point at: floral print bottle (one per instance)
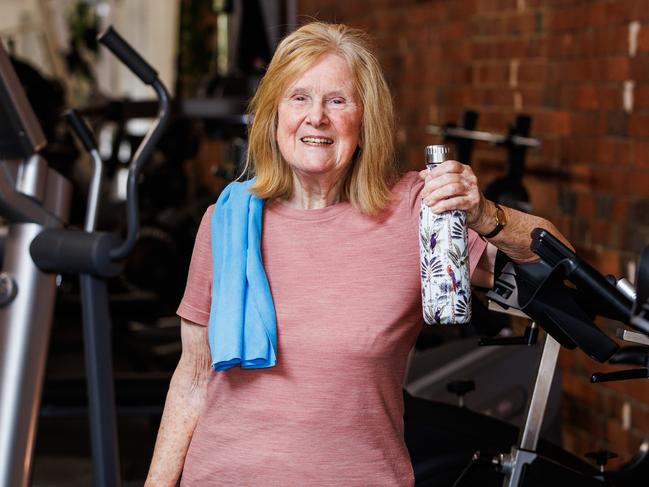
(444, 253)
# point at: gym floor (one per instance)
(62, 454)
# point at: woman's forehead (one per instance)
(330, 72)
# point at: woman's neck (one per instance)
(314, 193)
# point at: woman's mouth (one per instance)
(317, 141)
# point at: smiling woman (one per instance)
(339, 256)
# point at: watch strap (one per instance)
(500, 222)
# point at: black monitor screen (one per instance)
(20, 133)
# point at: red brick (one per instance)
(579, 386)
(618, 438)
(586, 205)
(615, 69)
(552, 122)
(561, 45)
(494, 6)
(638, 183)
(609, 96)
(641, 96)
(580, 149)
(604, 233)
(580, 177)
(576, 70)
(643, 39)
(564, 19)
(533, 72)
(588, 123)
(613, 41)
(614, 151)
(609, 180)
(639, 66)
(582, 96)
(639, 124)
(491, 74)
(519, 23)
(641, 154)
(565, 361)
(543, 195)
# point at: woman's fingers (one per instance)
(449, 186)
(454, 203)
(446, 191)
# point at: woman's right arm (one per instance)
(184, 403)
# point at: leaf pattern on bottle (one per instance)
(446, 295)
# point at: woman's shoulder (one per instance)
(407, 181)
(406, 190)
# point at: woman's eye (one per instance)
(299, 98)
(337, 101)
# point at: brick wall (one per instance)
(581, 70)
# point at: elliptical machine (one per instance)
(35, 200)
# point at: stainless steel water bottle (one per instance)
(444, 255)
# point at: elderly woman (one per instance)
(340, 253)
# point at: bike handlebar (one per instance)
(555, 253)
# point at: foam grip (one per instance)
(123, 50)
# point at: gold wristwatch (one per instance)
(501, 220)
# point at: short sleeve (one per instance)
(195, 305)
(477, 244)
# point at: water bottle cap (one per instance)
(438, 153)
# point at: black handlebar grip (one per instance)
(81, 129)
(123, 50)
(554, 252)
(548, 247)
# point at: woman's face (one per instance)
(319, 119)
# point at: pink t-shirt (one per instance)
(346, 290)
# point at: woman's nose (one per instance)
(317, 115)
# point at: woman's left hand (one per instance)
(452, 185)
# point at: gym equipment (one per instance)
(431, 371)
(33, 197)
(512, 138)
(49, 249)
(566, 315)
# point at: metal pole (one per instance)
(25, 326)
(525, 452)
(529, 436)
(97, 339)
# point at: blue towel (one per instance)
(242, 328)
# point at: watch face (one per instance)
(501, 219)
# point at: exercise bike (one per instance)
(566, 314)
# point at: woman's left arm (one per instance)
(452, 185)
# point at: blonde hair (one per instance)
(367, 184)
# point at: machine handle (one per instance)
(113, 41)
(555, 253)
(123, 50)
(81, 129)
(640, 373)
